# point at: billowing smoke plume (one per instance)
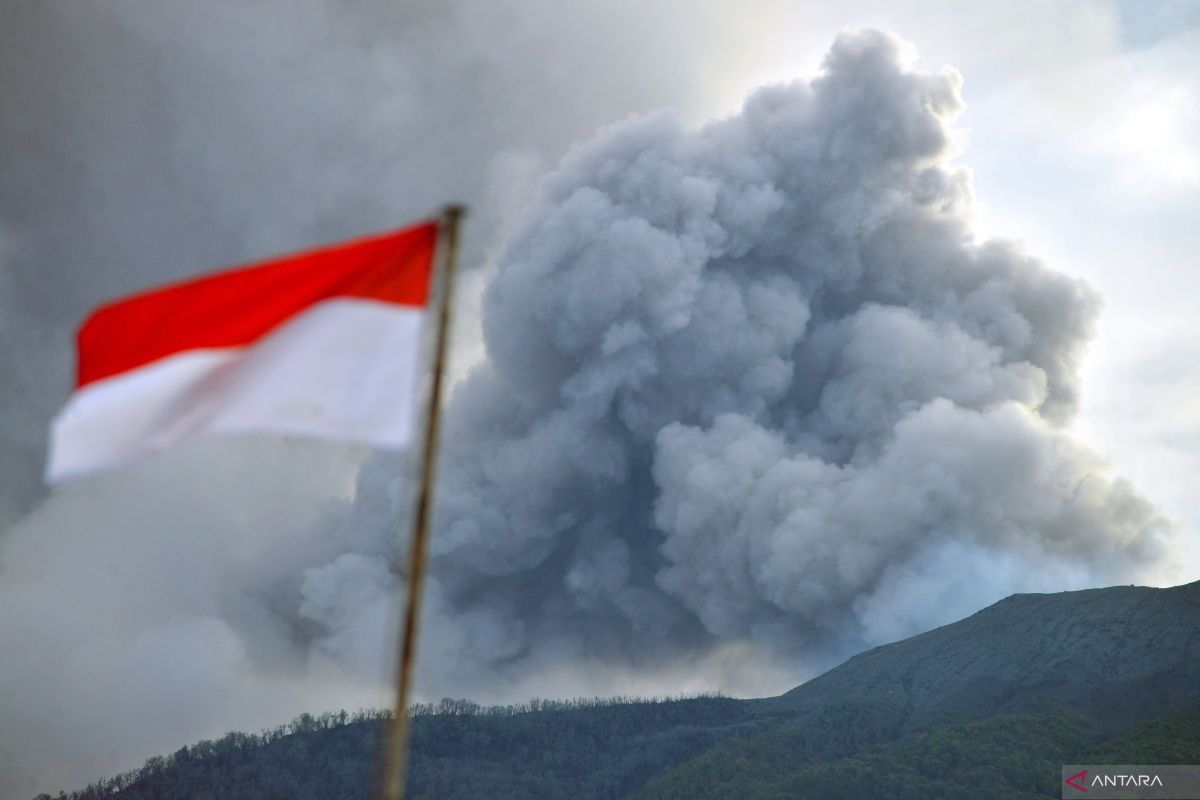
(143, 141)
(753, 396)
(758, 383)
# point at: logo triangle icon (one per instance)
(1078, 776)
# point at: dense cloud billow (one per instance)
(142, 142)
(752, 398)
(758, 382)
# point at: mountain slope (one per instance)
(1016, 757)
(1122, 654)
(990, 704)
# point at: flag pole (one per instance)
(396, 755)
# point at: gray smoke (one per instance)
(143, 141)
(749, 397)
(757, 382)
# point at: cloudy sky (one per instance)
(747, 378)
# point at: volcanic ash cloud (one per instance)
(759, 382)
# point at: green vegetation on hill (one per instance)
(1001, 758)
(988, 707)
(1170, 739)
(543, 749)
(709, 748)
(601, 749)
(328, 757)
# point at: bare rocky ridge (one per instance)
(1117, 654)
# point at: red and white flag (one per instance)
(325, 344)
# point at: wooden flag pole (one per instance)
(395, 759)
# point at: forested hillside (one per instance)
(620, 749)
(545, 749)
(987, 707)
(1011, 757)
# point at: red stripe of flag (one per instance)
(239, 306)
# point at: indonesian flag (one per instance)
(325, 344)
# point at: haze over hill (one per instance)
(1119, 653)
(1024, 685)
(749, 395)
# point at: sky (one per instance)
(1014, 427)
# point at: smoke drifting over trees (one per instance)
(753, 397)
(758, 380)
